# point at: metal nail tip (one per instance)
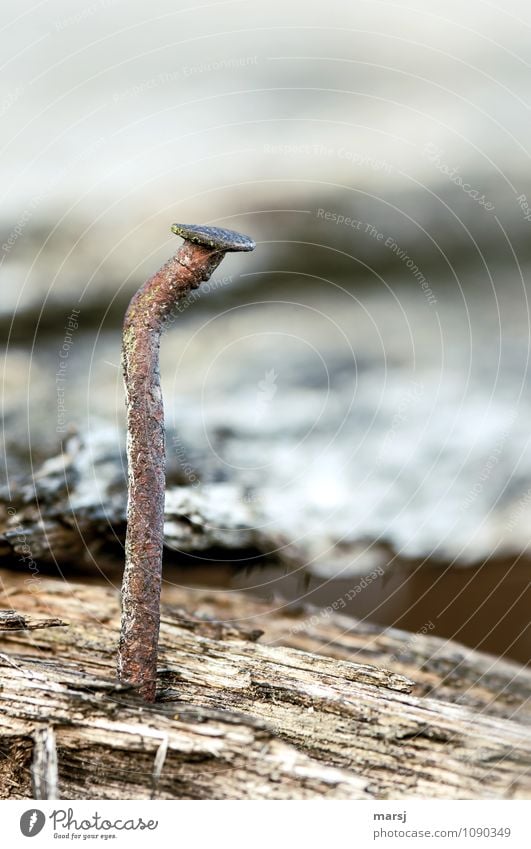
(214, 237)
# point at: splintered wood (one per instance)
(338, 710)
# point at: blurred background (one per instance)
(348, 407)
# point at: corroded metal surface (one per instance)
(144, 321)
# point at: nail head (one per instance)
(214, 237)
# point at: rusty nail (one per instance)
(199, 255)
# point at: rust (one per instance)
(200, 254)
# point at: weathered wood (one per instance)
(75, 506)
(441, 669)
(73, 509)
(242, 716)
